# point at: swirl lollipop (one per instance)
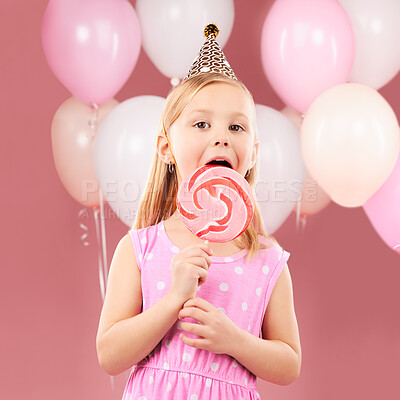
(215, 203)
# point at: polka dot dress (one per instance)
(174, 370)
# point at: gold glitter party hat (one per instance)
(210, 57)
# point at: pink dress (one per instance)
(174, 370)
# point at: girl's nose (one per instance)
(224, 142)
(219, 141)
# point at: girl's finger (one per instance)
(199, 261)
(193, 312)
(209, 249)
(204, 246)
(194, 329)
(196, 343)
(199, 303)
(200, 252)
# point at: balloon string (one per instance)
(101, 274)
(300, 219)
(84, 227)
(103, 270)
(103, 278)
(103, 235)
(170, 149)
(298, 206)
(303, 222)
(95, 115)
(93, 121)
(102, 245)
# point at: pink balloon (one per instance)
(73, 132)
(91, 45)
(307, 47)
(383, 209)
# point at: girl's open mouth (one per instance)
(222, 163)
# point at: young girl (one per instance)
(191, 317)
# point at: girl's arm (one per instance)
(125, 336)
(277, 357)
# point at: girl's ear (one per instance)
(163, 149)
(254, 154)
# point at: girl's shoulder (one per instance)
(147, 242)
(272, 250)
(146, 231)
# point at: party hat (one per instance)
(210, 57)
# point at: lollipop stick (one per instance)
(206, 242)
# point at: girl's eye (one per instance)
(202, 125)
(236, 128)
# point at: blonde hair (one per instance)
(159, 199)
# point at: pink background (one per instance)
(345, 278)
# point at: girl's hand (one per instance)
(189, 270)
(217, 332)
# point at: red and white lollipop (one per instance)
(215, 203)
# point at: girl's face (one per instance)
(217, 123)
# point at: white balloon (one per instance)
(281, 170)
(376, 26)
(172, 30)
(123, 150)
